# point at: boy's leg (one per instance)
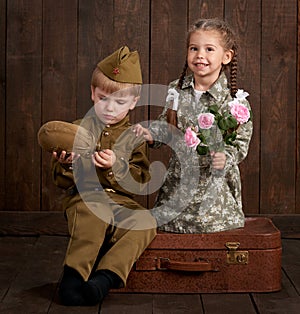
(87, 233)
(127, 245)
(70, 287)
(132, 235)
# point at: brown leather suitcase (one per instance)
(241, 260)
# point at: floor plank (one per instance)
(33, 288)
(227, 303)
(285, 301)
(291, 261)
(127, 304)
(60, 309)
(177, 304)
(14, 252)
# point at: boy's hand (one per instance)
(64, 157)
(141, 131)
(218, 160)
(104, 158)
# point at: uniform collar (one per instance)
(218, 91)
(122, 123)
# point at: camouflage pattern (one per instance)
(193, 198)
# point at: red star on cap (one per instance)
(116, 71)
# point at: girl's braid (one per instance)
(233, 76)
(182, 75)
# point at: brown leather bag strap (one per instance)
(198, 266)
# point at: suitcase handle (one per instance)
(166, 263)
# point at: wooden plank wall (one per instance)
(48, 50)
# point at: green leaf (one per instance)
(222, 123)
(213, 109)
(202, 150)
(231, 122)
(230, 138)
(202, 138)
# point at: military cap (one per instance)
(61, 135)
(122, 66)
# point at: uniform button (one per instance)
(113, 239)
(106, 133)
(110, 173)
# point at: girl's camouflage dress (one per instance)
(193, 198)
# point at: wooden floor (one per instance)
(31, 267)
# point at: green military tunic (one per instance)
(193, 198)
(108, 228)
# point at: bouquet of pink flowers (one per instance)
(214, 129)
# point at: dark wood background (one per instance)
(49, 48)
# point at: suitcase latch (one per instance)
(234, 256)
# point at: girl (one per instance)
(211, 203)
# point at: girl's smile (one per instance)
(201, 65)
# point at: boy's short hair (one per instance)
(100, 80)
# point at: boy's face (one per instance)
(112, 108)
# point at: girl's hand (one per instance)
(64, 157)
(104, 158)
(141, 131)
(218, 160)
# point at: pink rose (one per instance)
(191, 138)
(206, 120)
(239, 111)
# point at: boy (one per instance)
(108, 229)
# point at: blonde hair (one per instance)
(229, 42)
(100, 80)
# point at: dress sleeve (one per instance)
(237, 154)
(160, 128)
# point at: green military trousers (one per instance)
(93, 223)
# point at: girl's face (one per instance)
(206, 55)
(112, 108)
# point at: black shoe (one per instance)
(70, 288)
(96, 288)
